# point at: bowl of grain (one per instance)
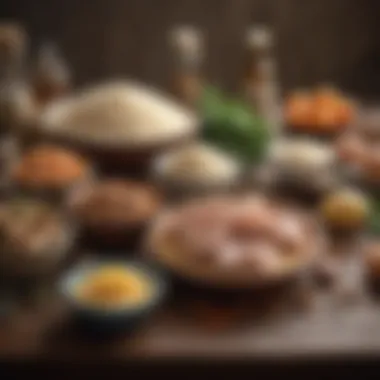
(121, 125)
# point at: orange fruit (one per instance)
(327, 117)
(299, 109)
(346, 112)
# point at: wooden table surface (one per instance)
(297, 322)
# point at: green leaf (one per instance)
(212, 103)
(232, 125)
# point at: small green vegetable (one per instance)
(231, 125)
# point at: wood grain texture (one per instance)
(318, 41)
(294, 323)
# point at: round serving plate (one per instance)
(169, 258)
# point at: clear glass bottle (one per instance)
(14, 100)
(13, 47)
(51, 76)
(188, 51)
(261, 87)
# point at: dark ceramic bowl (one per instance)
(109, 322)
(356, 177)
(305, 190)
(54, 195)
(179, 192)
(115, 238)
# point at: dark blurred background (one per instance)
(334, 41)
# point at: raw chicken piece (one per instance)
(229, 256)
(203, 244)
(205, 218)
(166, 230)
(289, 234)
(247, 225)
(263, 257)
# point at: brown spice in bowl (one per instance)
(118, 202)
(49, 167)
(114, 213)
(34, 237)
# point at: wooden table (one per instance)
(296, 325)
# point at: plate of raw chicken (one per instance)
(235, 242)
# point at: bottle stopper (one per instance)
(51, 75)
(259, 37)
(188, 43)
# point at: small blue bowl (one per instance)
(106, 322)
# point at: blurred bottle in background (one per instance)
(13, 48)
(50, 77)
(260, 83)
(188, 53)
(14, 96)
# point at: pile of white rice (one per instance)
(302, 154)
(120, 113)
(198, 164)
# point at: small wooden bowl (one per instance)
(111, 235)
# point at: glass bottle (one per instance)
(187, 44)
(13, 46)
(51, 76)
(14, 99)
(17, 107)
(261, 86)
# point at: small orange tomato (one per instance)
(299, 108)
(327, 117)
(326, 96)
(346, 112)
